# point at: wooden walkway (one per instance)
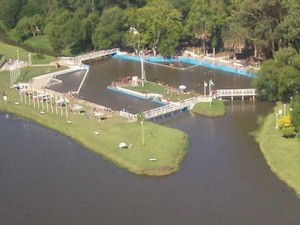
(175, 107)
(92, 55)
(235, 93)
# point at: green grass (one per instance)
(282, 155)
(10, 52)
(167, 145)
(214, 109)
(167, 93)
(39, 42)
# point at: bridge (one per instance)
(92, 55)
(174, 107)
(235, 93)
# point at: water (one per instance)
(46, 178)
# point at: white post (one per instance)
(66, 105)
(204, 87)
(276, 126)
(51, 103)
(142, 71)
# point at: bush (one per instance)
(285, 121)
(288, 132)
(39, 56)
(295, 113)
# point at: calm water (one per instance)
(46, 178)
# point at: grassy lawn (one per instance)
(166, 92)
(282, 155)
(168, 146)
(214, 109)
(40, 42)
(10, 52)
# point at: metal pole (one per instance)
(143, 136)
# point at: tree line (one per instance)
(261, 27)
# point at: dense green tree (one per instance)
(9, 12)
(279, 79)
(56, 29)
(155, 22)
(206, 20)
(28, 27)
(234, 37)
(110, 31)
(295, 113)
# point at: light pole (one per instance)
(143, 135)
(142, 70)
(29, 59)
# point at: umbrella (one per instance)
(122, 145)
(182, 87)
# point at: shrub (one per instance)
(288, 132)
(285, 121)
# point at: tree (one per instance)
(206, 20)
(295, 113)
(157, 21)
(279, 79)
(234, 38)
(9, 12)
(110, 30)
(28, 27)
(56, 29)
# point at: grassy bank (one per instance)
(167, 92)
(165, 147)
(281, 154)
(11, 52)
(214, 109)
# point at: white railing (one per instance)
(235, 92)
(78, 59)
(128, 115)
(174, 107)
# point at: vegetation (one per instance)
(282, 154)
(12, 52)
(257, 28)
(214, 109)
(153, 149)
(279, 78)
(167, 92)
(295, 113)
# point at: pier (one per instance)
(77, 60)
(235, 93)
(172, 108)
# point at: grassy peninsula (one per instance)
(214, 109)
(282, 154)
(154, 150)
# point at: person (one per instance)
(4, 97)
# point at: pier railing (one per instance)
(92, 55)
(173, 107)
(222, 93)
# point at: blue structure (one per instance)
(186, 60)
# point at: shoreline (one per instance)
(104, 136)
(281, 154)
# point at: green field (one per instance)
(214, 109)
(11, 52)
(149, 141)
(282, 154)
(39, 42)
(172, 94)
